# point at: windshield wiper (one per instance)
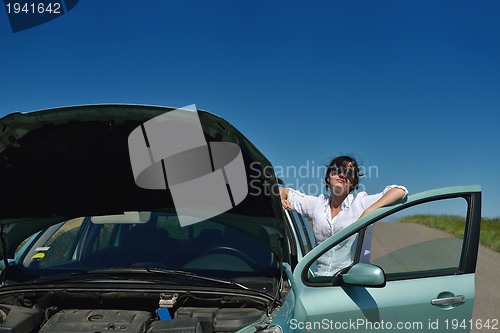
(83, 276)
(202, 278)
(119, 273)
(163, 272)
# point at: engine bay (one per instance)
(130, 312)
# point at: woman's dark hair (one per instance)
(344, 163)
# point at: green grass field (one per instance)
(490, 228)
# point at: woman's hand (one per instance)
(284, 198)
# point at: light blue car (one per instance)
(111, 249)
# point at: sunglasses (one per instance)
(349, 173)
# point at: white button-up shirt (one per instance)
(324, 226)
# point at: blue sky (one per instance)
(410, 88)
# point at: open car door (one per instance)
(404, 276)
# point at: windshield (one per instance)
(153, 240)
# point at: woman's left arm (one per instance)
(389, 197)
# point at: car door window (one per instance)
(405, 244)
(304, 230)
(334, 260)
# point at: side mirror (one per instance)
(364, 275)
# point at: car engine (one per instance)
(128, 313)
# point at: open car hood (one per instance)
(74, 161)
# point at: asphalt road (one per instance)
(487, 302)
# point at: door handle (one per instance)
(459, 299)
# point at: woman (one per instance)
(331, 213)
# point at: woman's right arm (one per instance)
(298, 201)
